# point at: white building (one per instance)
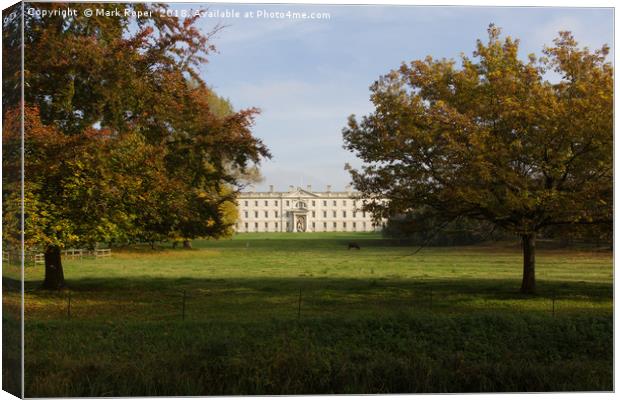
(300, 210)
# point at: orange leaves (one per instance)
(490, 139)
(123, 140)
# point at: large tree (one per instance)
(121, 142)
(523, 144)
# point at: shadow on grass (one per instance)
(254, 299)
(307, 335)
(489, 288)
(148, 335)
(233, 345)
(12, 285)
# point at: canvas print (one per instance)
(290, 199)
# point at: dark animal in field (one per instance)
(354, 245)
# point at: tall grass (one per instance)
(378, 320)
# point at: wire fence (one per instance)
(183, 304)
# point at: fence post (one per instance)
(299, 306)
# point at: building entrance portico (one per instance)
(300, 225)
(299, 217)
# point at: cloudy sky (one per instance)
(308, 76)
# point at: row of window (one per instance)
(299, 204)
(314, 225)
(246, 214)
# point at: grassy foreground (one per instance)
(301, 314)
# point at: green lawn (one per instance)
(299, 313)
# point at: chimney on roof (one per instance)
(291, 188)
(270, 188)
(329, 188)
(309, 187)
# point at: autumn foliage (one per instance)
(526, 145)
(121, 143)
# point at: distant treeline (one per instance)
(418, 229)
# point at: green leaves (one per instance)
(492, 139)
(123, 141)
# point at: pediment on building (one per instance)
(299, 193)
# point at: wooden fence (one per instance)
(39, 259)
(72, 254)
(35, 258)
(99, 253)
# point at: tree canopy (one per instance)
(524, 144)
(124, 142)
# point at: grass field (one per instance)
(297, 314)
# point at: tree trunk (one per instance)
(54, 275)
(187, 244)
(528, 284)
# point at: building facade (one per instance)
(300, 210)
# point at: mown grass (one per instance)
(295, 314)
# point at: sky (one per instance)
(308, 76)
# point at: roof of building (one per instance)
(297, 192)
